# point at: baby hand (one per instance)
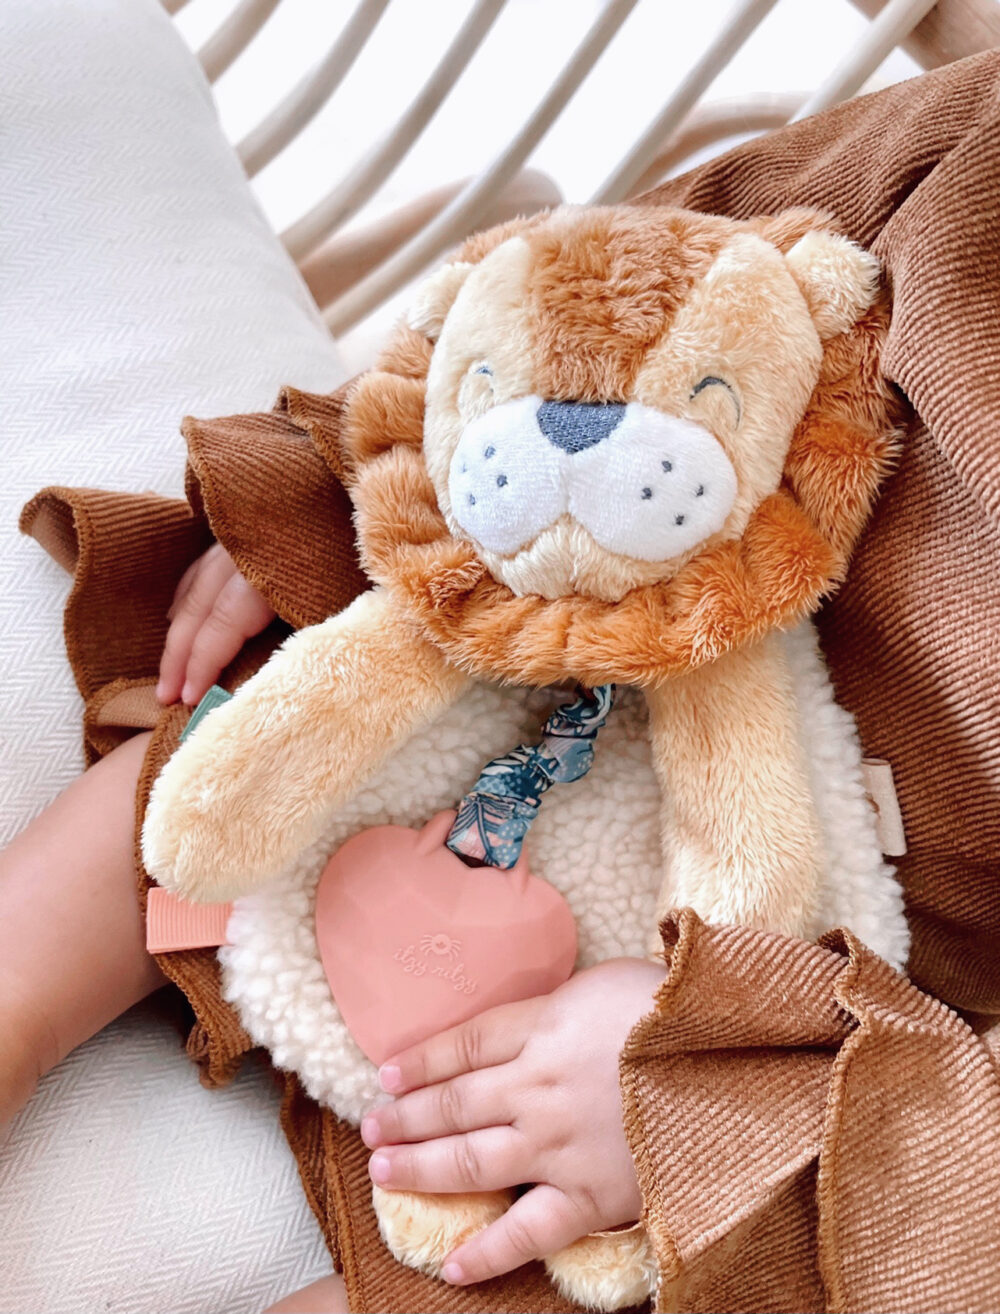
(213, 614)
(527, 1092)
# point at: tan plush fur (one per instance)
(605, 283)
(773, 371)
(740, 827)
(580, 1271)
(624, 305)
(434, 298)
(837, 284)
(421, 1229)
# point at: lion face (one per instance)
(612, 392)
(613, 443)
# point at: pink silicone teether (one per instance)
(413, 941)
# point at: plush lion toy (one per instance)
(629, 445)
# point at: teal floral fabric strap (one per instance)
(494, 817)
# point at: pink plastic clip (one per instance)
(173, 923)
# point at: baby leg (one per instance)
(327, 1296)
(72, 941)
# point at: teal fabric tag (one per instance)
(213, 699)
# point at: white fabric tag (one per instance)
(877, 775)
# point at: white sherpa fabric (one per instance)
(597, 841)
(859, 889)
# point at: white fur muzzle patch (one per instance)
(644, 484)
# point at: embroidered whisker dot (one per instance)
(679, 520)
(490, 451)
(472, 500)
(501, 481)
(647, 493)
(667, 465)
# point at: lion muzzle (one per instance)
(643, 483)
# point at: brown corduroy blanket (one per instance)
(812, 1132)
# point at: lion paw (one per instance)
(607, 1271)
(214, 826)
(423, 1230)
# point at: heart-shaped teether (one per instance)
(414, 941)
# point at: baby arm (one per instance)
(72, 942)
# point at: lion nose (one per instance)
(575, 426)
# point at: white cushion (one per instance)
(139, 281)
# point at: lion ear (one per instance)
(435, 297)
(838, 279)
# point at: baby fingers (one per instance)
(489, 1159)
(541, 1222)
(463, 1105)
(494, 1037)
(238, 613)
(214, 612)
(196, 595)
